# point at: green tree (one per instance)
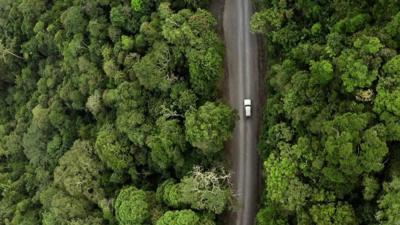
(333, 214)
(392, 67)
(79, 171)
(344, 135)
(355, 72)
(127, 42)
(25, 214)
(371, 187)
(268, 19)
(167, 144)
(153, 70)
(132, 206)
(389, 203)
(183, 98)
(182, 217)
(322, 71)
(136, 5)
(129, 100)
(205, 67)
(368, 45)
(169, 192)
(197, 3)
(392, 28)
(209, 127)
(67, 210)
(270, 216)
(73, 20)
(387, 100)
(112, 148)
(118, 16)
(284, 187)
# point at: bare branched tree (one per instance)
(212, 179)
(4, 51)
(207, 189)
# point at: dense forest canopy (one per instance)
(109, 113)
(332, 122)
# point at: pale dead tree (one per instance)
(365, 95)
(168, 113)
(79, 184)
(163, 64)
(174, 24)
(209, 190)
(94, 104)
(164, 59)
(212, 179)
(4, 51)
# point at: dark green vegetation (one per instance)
(332, 121)
(109, 115)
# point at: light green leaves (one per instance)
(112, 149)
(209, 127)
(389, 203)
(132, 207)
(321, 71)
(183, 217)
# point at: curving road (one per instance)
(242, 64)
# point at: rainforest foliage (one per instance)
(109, 113)
(332, 121)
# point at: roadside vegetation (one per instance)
(109, 114)
(330, 143)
